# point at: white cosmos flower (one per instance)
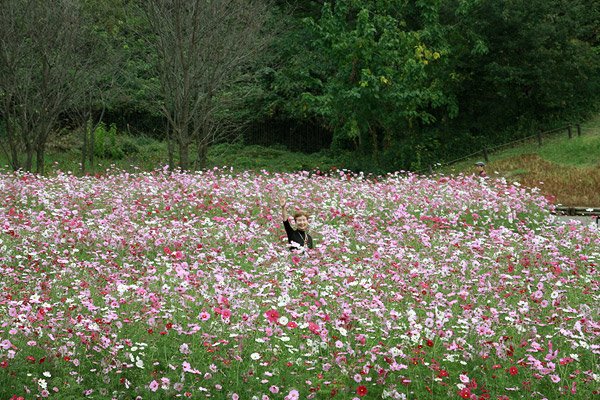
(255, 356)
(283, 320)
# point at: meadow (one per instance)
(150, 285)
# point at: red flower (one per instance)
(429, 343)
(361, 390)
(272, 315)
(465, 393)
(513, 370)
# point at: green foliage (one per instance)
(537, 68)
(105, 142)
(99, 139)
(366, 74)
(273, 158)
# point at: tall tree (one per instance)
(205, 50)
(42, 64)
(539, 65)
(367, 73)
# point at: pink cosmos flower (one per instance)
(165, 382)
(153, 385)
(204, 316)
(555, 378)
(293, 395)
(226, 313)
(184, 349)
(274, 389)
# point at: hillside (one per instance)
(567, 169)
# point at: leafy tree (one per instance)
(367, 73)
(535, 67)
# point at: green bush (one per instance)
(128, 145)
(105, 142)
(99, 135)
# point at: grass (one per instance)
(568, 168)
(275, 158)
(146, 154)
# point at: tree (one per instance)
(539, 65)
(99, 83)
(42, 63)
(206, 50)
(368, 71)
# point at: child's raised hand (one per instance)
(282, 199)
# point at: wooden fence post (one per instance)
(485, 154)
(578, 130)
(570, 131)
(430, 169)
(539, 133)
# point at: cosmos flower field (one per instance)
(159, 285)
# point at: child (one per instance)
(481, 169)
(300, 236)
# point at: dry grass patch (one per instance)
(571, 186)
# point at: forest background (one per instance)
(372, 86)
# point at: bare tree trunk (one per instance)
(28, 157)
(85, 145)
(170, 147)
(40, 153)
(92, 147)
(11, 152)
(375, 145)
(183, 155)
(202, 153)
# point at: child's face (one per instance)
(479, 168)
(301, 222)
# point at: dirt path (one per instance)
(585, 220)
